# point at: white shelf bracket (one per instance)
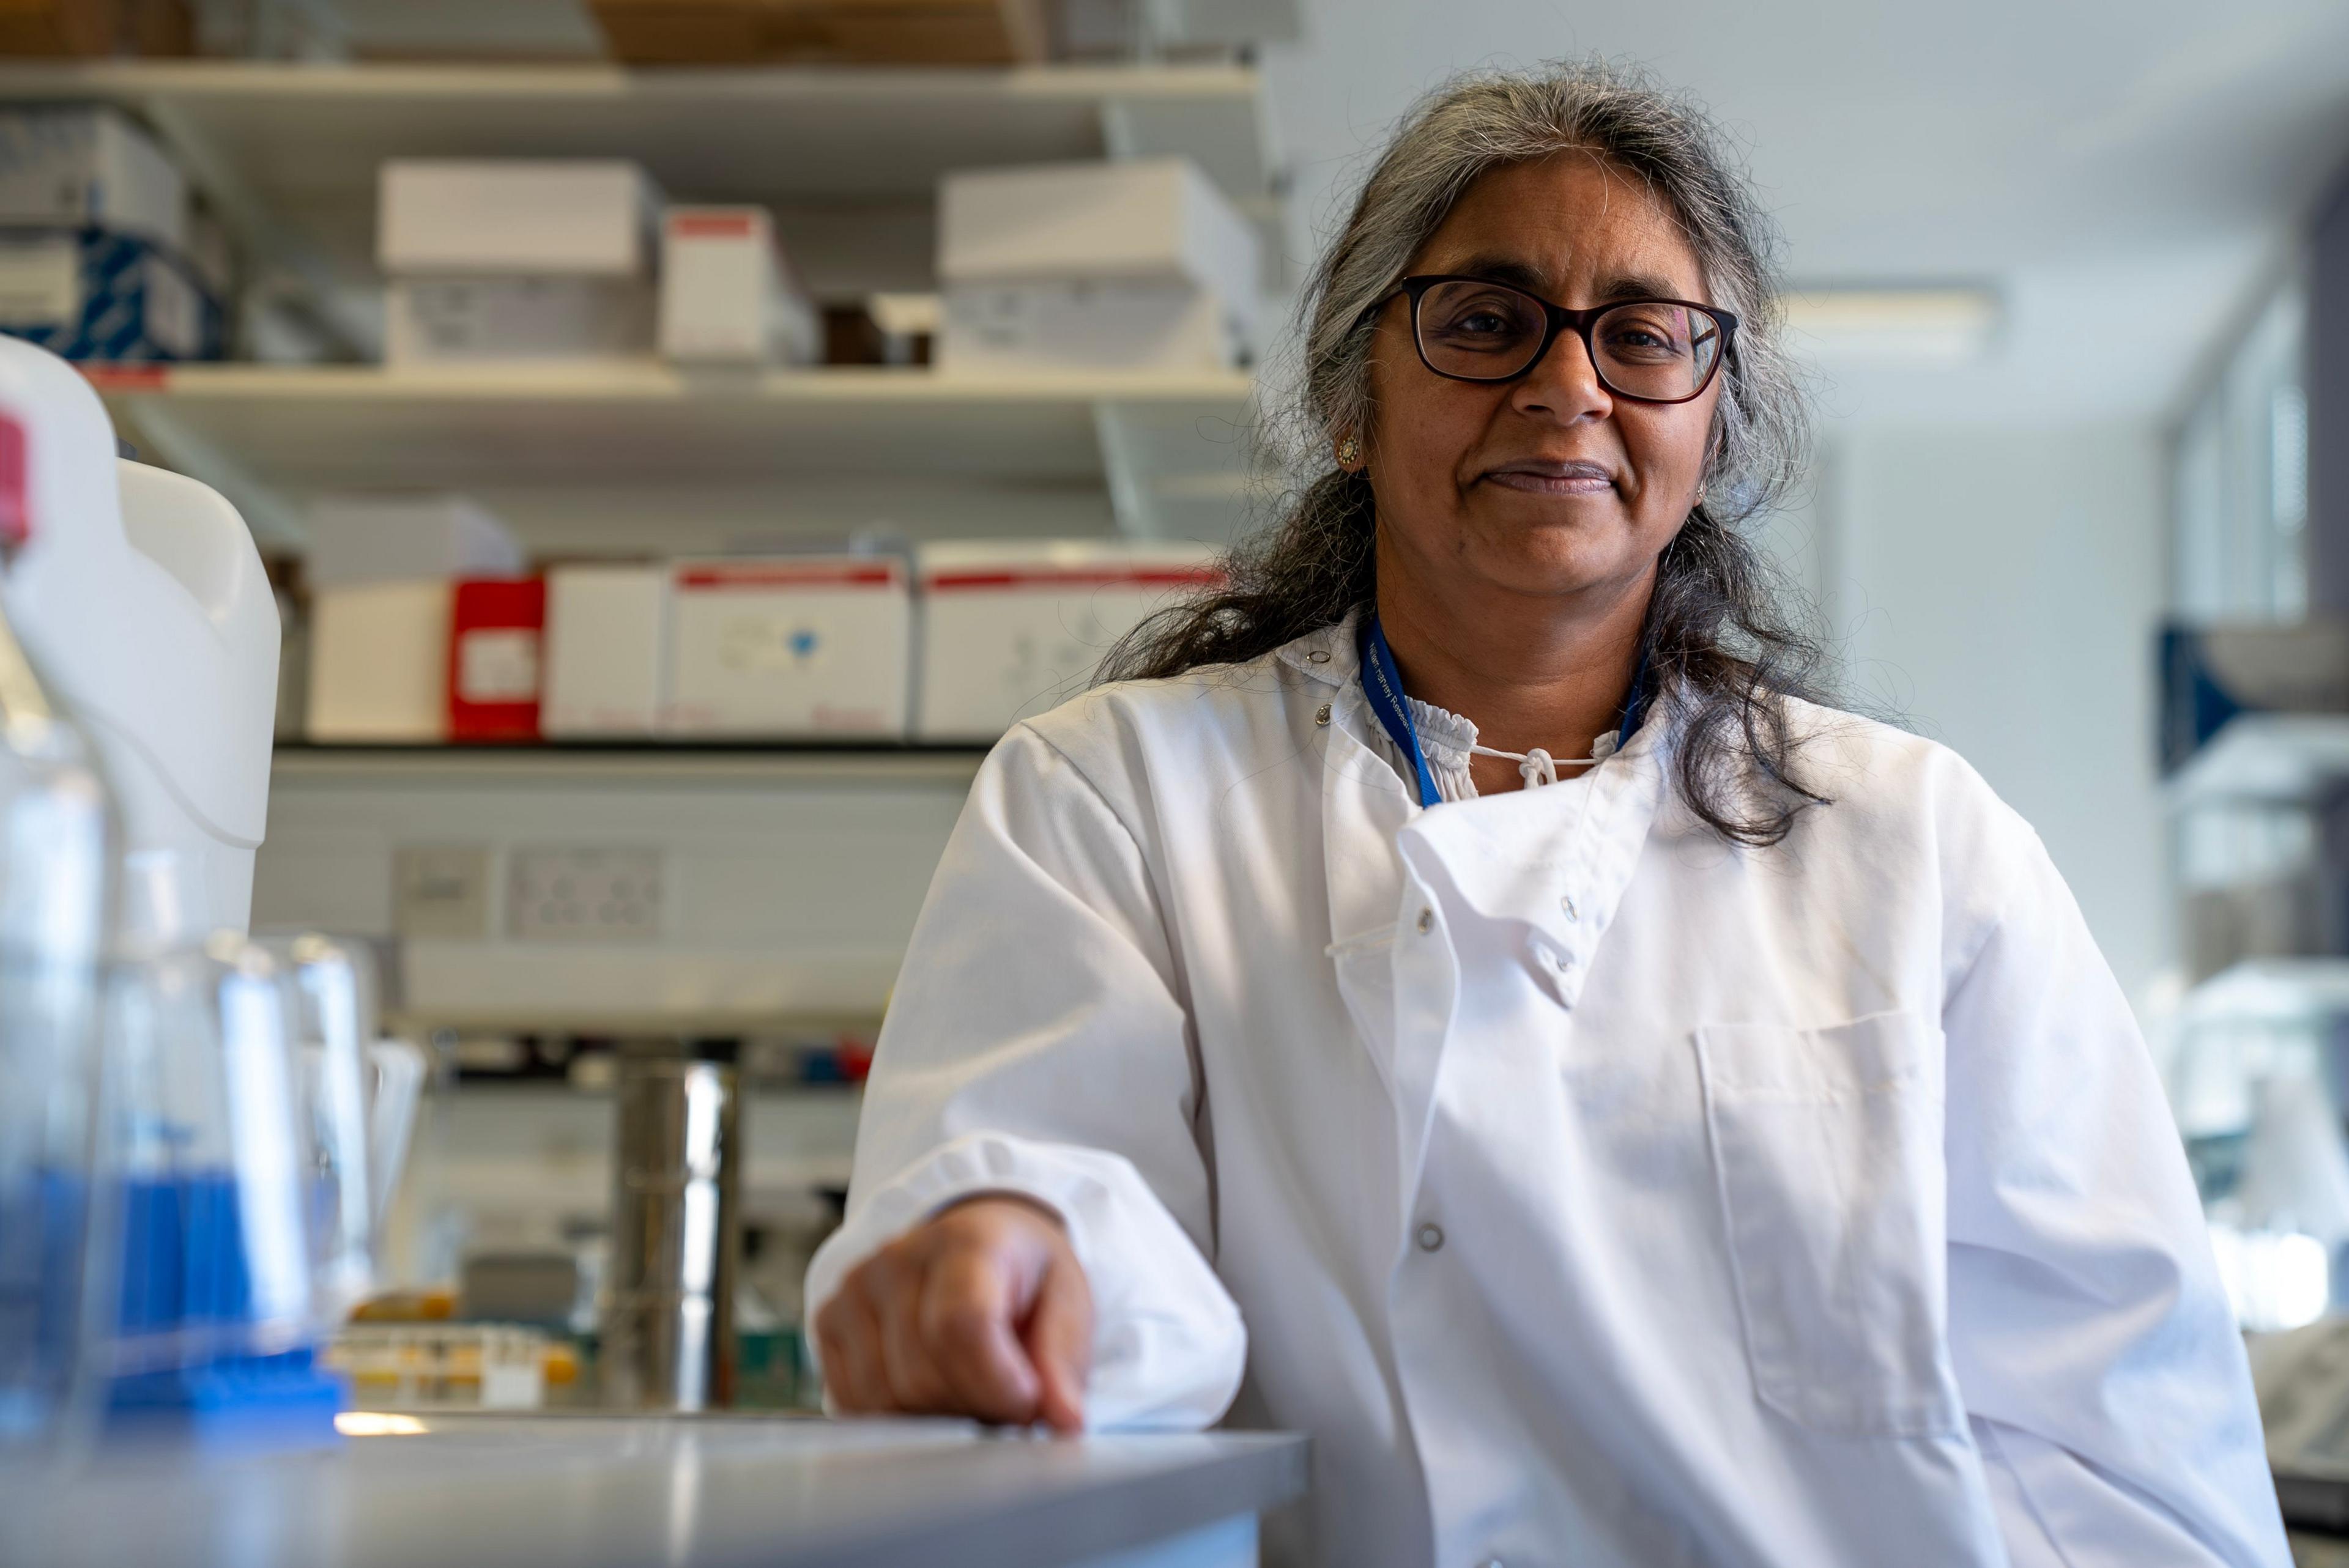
(1121, 449)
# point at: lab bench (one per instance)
(618, 1491)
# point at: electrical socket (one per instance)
(585, 894)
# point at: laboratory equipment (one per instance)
(668, 1305)
(442, 1366)
(141, 598)
(56, 836)
(334, 1025)
(225, 1173)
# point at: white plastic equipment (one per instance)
(141, 597)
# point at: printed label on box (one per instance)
(497, 666)
(40, 282)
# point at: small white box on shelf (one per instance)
(1112, 324)
(1011, 629)
(783, 646)
(727, 291)
(392, 537)
(74, 167)
(380, 662)
(1080, 266)
(480, 217)
(444, 321)
(607, 640)
(1147, 218)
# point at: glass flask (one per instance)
(57, 835)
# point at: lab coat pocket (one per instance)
(1827, 1148)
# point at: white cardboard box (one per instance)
(1086, 325)
(606, 641)
(390, 538)
(812, 645)
(442, 321)
(78, 167)
(1011, 629)
(380, 662)
(727, 291)
(1152, 220)
(477, 217)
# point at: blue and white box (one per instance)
(95, 294)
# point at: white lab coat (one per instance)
(1592, 1191)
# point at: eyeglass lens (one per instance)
(1490, 332)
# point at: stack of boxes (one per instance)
(438, 638)
(516, 260)
(1134, 265)
(577, 260)
(98, 244)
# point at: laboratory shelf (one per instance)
(647, 763)
(296, 144)
(2271, 991)
(2280, 757)
(1168, 447)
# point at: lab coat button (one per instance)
(1426, 921)
(1567, 903)
(1321, 715)
(1431, 1238)
(1320, 655)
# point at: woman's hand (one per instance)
(983, 1312)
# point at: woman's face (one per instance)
(1548, 485)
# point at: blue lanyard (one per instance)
(1383, 684)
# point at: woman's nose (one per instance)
(1565, 386)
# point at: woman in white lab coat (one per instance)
(1465, 1005)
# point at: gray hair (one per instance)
(1719, 649)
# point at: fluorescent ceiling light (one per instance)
(1937, 325)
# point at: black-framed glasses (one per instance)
(1648, 350)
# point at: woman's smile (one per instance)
(1552, 476)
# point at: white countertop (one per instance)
(609, 1491)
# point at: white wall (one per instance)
(1998, 589)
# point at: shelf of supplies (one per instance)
(1167, 446)
(302, 141)
(689, 763)
(2282, 757)
(2271, 991)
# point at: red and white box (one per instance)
(1010, 629)
(496, 629)
(728, 295)
(789, 646)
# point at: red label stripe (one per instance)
(712, 225)
(127, 377)
(1080, 577)
(721, 578)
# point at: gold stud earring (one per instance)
(1349, 452)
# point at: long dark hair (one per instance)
(1723, 654)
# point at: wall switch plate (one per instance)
(596, 895)
(441, 891)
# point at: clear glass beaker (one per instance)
(334, 1028)
(57, 835)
